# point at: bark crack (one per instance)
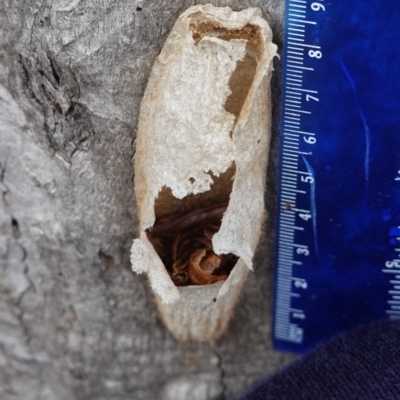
(5, 188)
(33, 24)
(16, 236)
(55, 89)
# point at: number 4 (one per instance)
(308, 97)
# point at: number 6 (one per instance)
(310, 140)
(317, 7)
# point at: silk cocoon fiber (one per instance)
(203, 139)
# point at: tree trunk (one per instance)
(75, 322)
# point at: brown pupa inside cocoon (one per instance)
(183, 239)
(184, 228)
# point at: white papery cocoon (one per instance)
(203, 138)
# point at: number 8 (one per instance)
(314, 53)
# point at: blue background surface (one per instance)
(356, 160)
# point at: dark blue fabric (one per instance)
(363, 364)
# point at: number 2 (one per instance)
(301, 284)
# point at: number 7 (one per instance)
(308, 97)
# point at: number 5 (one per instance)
(308, 179)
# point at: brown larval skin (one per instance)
(183, 242)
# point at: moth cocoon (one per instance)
(200, 165)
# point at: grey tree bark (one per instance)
(75, 322)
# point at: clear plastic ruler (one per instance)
(338, 223)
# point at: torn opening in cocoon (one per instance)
(200, 165)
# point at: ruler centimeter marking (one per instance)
(287, 326)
